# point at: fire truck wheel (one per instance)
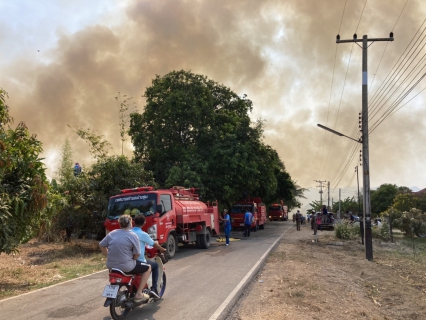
(171, 245)
(205, 240)
(198, 242)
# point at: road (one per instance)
(200, 285)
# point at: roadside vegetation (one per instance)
(193, 132)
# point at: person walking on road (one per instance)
(227, 225)
(298, 219)
(248, 219)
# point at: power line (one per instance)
(331, 90)
(360, 16)
(379, 104)
(374, 75)
(396, 66)
(396, 103)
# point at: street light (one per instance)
(337, 133)
(367, 233)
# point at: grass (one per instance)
(39, 265)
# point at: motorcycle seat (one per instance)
(121, 272)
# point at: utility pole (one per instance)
(320, 186)
(328, 189)
(361, 222)
(340, 203)
(365, 151)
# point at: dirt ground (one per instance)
(301, 279)
(332, 279)
(41, 264)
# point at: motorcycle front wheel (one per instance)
(162, 285)
(117, 308)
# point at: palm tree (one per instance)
(297, 193)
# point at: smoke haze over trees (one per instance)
(62, 66)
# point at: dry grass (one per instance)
(41, 264)
(332, 279)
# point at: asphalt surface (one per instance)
(201, 284)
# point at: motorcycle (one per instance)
(122, 289)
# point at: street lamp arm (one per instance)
(337, 133)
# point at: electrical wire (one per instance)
(374, 75)
(400, 98)
(379, 103)
(360, 16)
(395, 67)
(331, 90)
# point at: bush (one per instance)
(385, 231)
(345, 230)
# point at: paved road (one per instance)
(198, 283)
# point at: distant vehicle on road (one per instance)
(277, 212)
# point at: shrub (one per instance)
(345, 230)
(385, 231)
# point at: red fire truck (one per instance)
(172, 215)
(255, 206)
(278, 212)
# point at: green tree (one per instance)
(65, 171)
(392, 215)
(196, 131)
(98, 146)
(405, 202)
(23, 184)
(382, 198)
(413, 222)
(125, 106)
(348, 204)
(315, 205)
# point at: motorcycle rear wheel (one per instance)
(117, 308)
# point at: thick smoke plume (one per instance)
(280, 53)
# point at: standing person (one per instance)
(314, 224)
(318, 222)
(122, 249)
(77, 169)
(248, 219)
(298, 219)
(309, 217)
(227, 225)
(146, 240)
(324, 210)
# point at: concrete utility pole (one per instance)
(328, 189)
(320, 186)
(361, 222)
(365, 153)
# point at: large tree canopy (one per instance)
(196, 132)
(23, 184)
(382, 198)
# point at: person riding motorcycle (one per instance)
(145, 240)
(122, 249)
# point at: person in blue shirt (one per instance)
(248, 219)
(145, 239)
(227, 227)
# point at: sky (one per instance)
(64, 62)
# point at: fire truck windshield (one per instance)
(242, 208)
(274, 208)
(132, 205)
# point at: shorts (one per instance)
(140, 267)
